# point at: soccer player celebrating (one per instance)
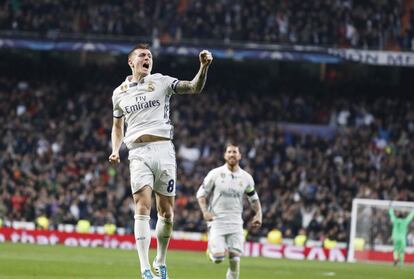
(399, 234)
(142, 102)
(221, 200)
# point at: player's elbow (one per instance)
(196, 91)
(197, 88)
(118, 124)
(117, 130)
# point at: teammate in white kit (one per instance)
(142, 102)
(221, 200)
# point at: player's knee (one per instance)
(143, 208)
(165, 209)
(167, 216)
(235, 259)
(142, 205)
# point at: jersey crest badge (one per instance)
(151, 86)
(223, 175)
(124, 87)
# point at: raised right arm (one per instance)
(392, 214)
(196, 85)
(410, 216)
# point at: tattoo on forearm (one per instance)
(194, 86)
(201, 79)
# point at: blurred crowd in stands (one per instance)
(368, 24)
(56, 140)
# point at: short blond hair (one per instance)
(138, 46)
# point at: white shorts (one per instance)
(220, 243)
(153, 164)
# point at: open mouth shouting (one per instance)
(146, 65)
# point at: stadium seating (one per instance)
(55, 143)
(358, 24)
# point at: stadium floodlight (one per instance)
(371, 229)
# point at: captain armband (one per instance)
(252, 196)
(117, 115)
(174, 85)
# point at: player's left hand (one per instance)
(114, 158)
(205, 58)
(208, 217)
(257, 222)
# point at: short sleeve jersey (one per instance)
(145, 106)
(225, 190)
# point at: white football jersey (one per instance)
(225, 190)
(145, 106)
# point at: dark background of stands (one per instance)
(67, 100)
(364, 24)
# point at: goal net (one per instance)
(371, 228)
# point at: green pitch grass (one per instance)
(21, 261)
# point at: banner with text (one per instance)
(46, 237)
(311, 54)
(385, 58)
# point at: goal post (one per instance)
(371, 229)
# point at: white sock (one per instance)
(142, 232)
(234, 268)
(163, 230)
(232, 274)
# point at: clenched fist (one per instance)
(257, 221)
(205, 58)
(114, 158)
(207, 216)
